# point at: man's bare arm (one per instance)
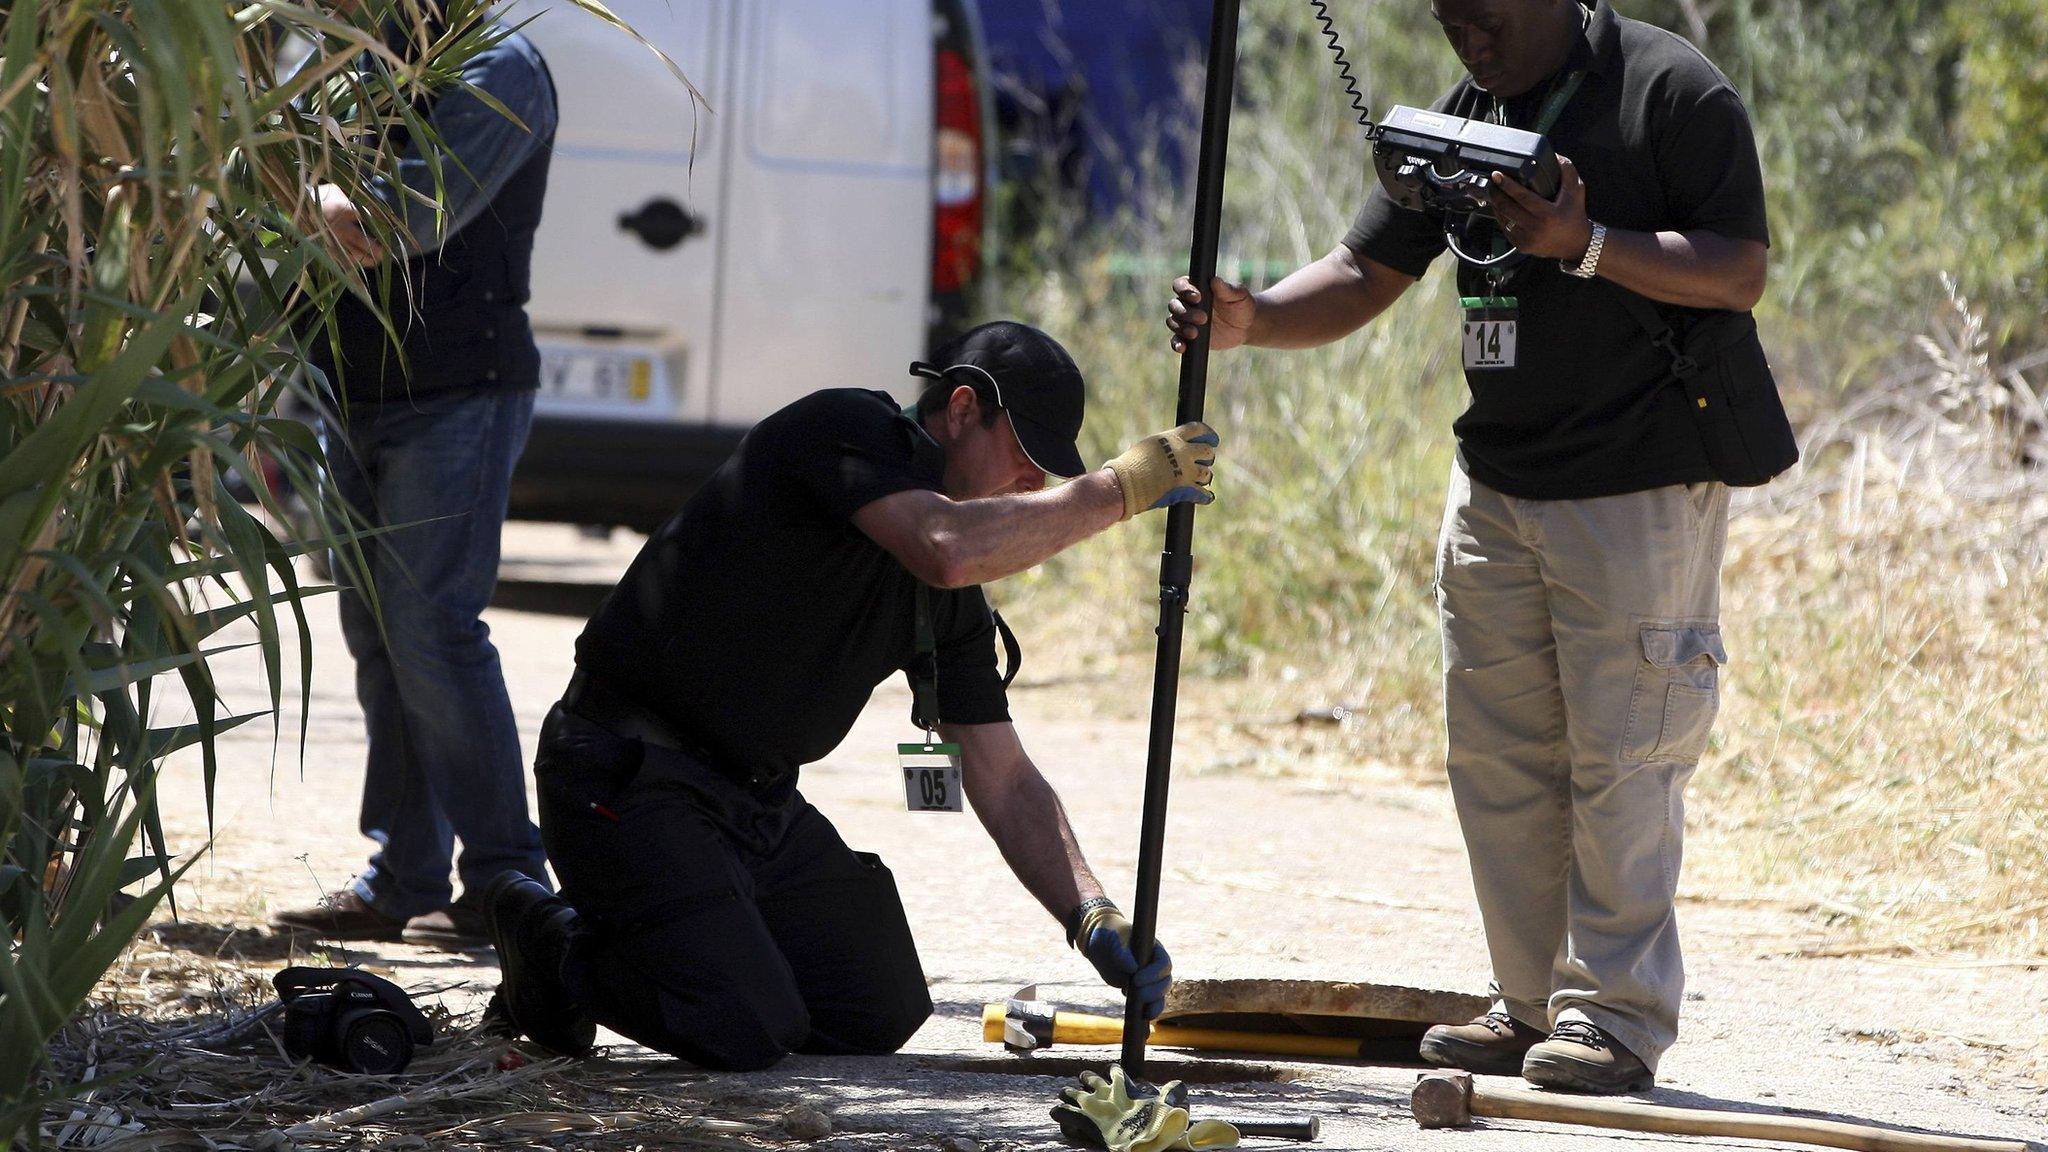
(1695, 269)
(1023, 816)
(1316, 304)
(955, 543)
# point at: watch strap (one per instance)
(1079, 915)
(1590, 262)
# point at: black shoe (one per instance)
(342, 915)
(1579, 1057)
(531, 928)
(462, 926)
(1493, 1044)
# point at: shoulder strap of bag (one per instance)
(924, 670)
(1661, 334)
(1013, 650)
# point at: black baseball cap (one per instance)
(1035, 381)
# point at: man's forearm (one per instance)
(1024, 817)
(1691, 269)
(998, 536)
(1320, 302)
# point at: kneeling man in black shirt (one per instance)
(707, 909)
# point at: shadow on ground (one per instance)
(549, 597)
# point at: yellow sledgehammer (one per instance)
(1024, 1025)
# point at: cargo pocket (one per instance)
(1677, 691)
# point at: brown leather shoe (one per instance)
(1580, 1057)
(1493, 1044)
(462, 926)
(342, 915)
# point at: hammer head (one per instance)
(1027, 1022)
(1442, 1099)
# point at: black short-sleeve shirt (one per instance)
(759, 620)
(1663, 143)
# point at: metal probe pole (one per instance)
(1177, 565)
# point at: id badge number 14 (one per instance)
(1490, 323)
(931, 776)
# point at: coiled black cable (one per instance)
(1343, 65)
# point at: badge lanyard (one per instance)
(1492, 321)
(931, 769)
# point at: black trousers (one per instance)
(722, 926)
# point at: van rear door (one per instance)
(632, 201)
(828, 242)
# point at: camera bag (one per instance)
(1720, 363)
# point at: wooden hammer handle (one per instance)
(1635, 1116)
(1083, 1028)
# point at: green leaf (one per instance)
(107, 678)
(137, 868)
(48, 450)
(19, 525)
(164, 741)
(212, 620)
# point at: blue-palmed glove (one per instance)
(1167, 468)
(1103, 935)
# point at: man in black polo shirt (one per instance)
(707, 909)
(1579, 566)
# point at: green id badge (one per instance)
(931, 776)
(1490, 323)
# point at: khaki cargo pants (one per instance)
(1582, 646)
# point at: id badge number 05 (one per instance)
(931, 776)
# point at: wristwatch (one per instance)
(1591, 260)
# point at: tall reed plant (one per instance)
(160, 243)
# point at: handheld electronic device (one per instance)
(1434, 161)
(1431, 160)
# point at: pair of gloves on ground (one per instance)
(1125, 1115)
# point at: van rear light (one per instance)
(957, 192)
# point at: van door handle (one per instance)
(662, 223)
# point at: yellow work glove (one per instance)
(1167, 468)
(1106, 1114)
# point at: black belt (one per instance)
(590, 698)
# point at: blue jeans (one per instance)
(444, 757)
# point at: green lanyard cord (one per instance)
(1553, 107)
(924, 671)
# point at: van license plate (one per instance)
(607, 376)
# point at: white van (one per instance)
(820, 227)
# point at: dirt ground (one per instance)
(1266, 877)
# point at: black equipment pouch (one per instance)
(1720, 363)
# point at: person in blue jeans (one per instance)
(427, 431)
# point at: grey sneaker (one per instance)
(1579, 1057)
(1493, 1044)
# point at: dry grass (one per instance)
(180, 1053)
(1882, 747)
